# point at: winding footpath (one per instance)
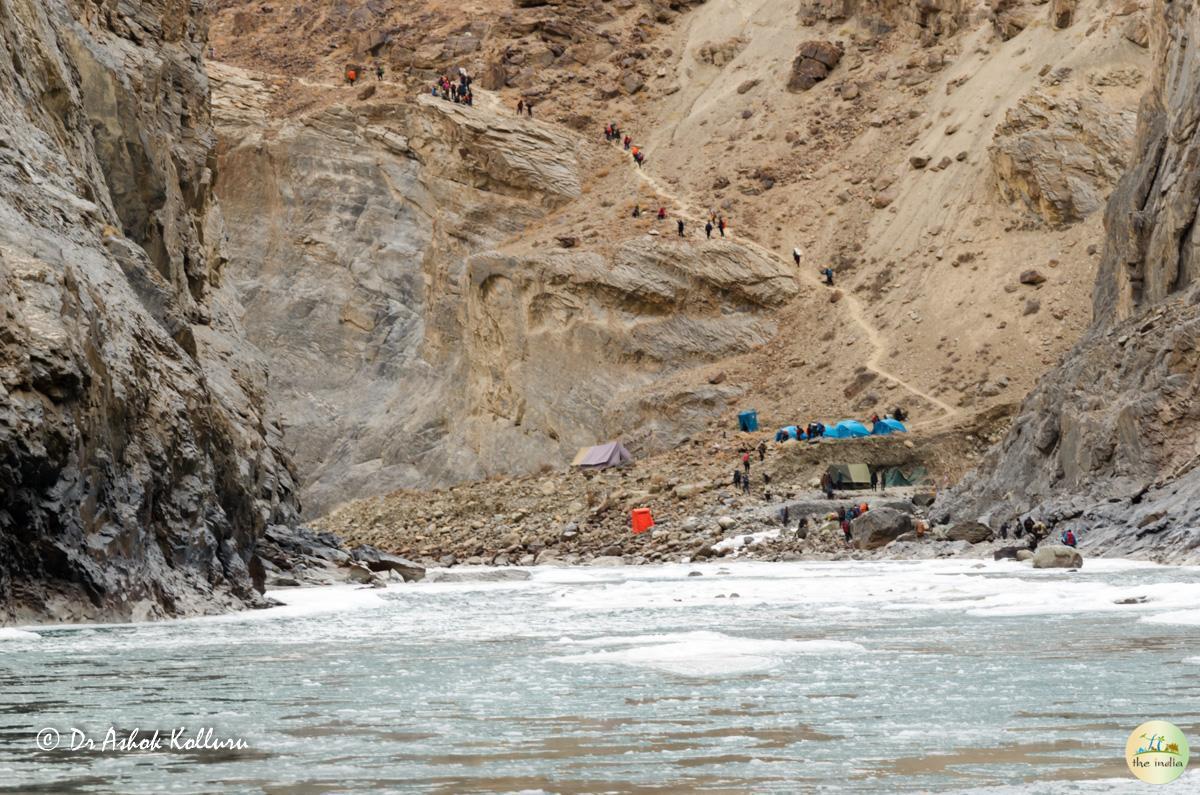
(853, 308)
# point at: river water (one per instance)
(752, 677)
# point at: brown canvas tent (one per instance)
(602, 456)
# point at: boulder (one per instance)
(1024, 554)
(1056, 556)
(359, 573)
(827, 53)
(1006, 553)
(375, 560)
(726, 522)
(879, 527)
(924, 500)
(971, 532)
(1032, 277)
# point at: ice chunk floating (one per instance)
(755, 677)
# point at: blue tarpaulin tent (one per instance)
(888, 425)
(748, 421)
(847, 429)
(788, 432)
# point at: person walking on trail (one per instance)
(746, 484)
(639, 158)
(708, 227)
(737, 478)
(351, 76)
(662, 213)
(607, 132)
(721, 225)
(680, 222)
(828, 274)
(520, 106)
(746, 462)
(637, 211)
(762, 451)
(378, 71)
(796, 256)
(529, 109)
(628, 143)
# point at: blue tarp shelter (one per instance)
(847, 429)
(788, 432)
(748, 421)
(888, 425)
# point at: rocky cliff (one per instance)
(399, 258)
(1111, 437)
(137, 464)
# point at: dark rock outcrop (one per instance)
(137, 463)
(1109, 436)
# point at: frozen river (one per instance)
(753, 677)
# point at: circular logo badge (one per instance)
(1157, 752)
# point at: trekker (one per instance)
(351, 76)
(529, 109)
(746, 484)
(520, 106)
(874, 480)
(762, 451)
(1028, 525)
(796, 255)
(708, 227)
(846, 530)
(1004, 529)
(721, 225)
(680, 222)
(628, 142)
(662, 213)
(828, 274)
(737, 478)
(637, 211)
(1068, 538)
(746, 462)
(639, 158)
(785, 515)
(378, 71)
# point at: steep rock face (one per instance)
(137, 465)
(569, 348)
(383, 251)
(1111, 435)
(1058, 157)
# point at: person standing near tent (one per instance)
(680, 222)
(827, 486)
(874, 480)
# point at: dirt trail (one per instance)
(852, 305)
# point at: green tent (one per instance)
(850, 476)
(905, 476)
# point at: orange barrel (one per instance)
(642, 520)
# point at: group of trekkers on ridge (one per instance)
(355, 73)
(458, 92)
(525, 106)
